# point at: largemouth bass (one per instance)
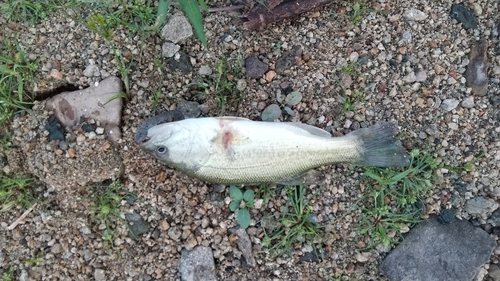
(234, 150)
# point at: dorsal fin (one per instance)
(308, 128)
(232, 118)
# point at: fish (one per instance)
(234, 150)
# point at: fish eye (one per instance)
(161, 150)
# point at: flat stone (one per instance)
(136, 225)
(476, 74)
(244, 244)
(463, 15)
(480, 206)
(96, 103)
(439, 252)
(254, 67)
(176, 29)
(197, 264)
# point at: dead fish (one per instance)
(232, 150)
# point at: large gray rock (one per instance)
(197, 265)
(95, 102)
(439, 252)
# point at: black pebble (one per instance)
(56, 130)
(446, 216)
(463, 15)
(89, 127)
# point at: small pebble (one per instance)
(477, 9)
(414, 14)
(169, 49)
(410, 78)
(100, 275)
(353, 57)
(71, 153)
(80, 138)
(449, 104)
(205, 70)
(453, 126)
(270, 75)
(468, 102)
(241, 84)
(56, 74)
(421, 76)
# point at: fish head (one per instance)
(177, 144)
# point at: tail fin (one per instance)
(378, 147)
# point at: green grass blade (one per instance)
(161, 16)
(192, 11)
(203, 5)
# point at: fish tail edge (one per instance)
(379, 147)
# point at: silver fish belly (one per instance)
(233, 150)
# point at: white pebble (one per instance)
(414, 14)
(80, 138)
(453, 126)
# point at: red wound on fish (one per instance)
(226, 139)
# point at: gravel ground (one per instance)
(410, 71)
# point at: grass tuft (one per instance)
(16, 80)
(294, 225)
(223, 84)
(106, 205)
(15, 192)
(395, 202)
(32, 11)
